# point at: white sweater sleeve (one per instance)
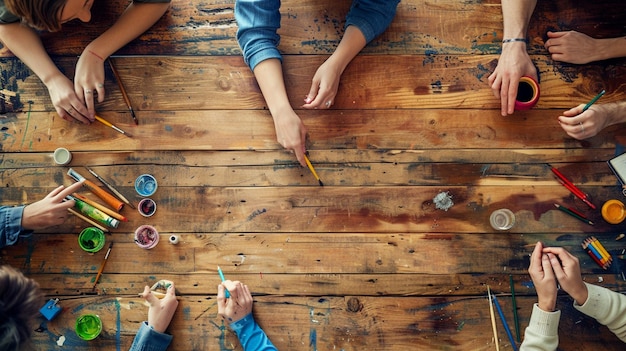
(542, 333)
(607, 307)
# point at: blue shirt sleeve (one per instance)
(11, 225)
(147, 339)
(251, 336)
(258, 21)
(372, 17)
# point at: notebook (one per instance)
(618, 165)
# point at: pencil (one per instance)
(504, 323)
(308, 163)
(123, 90)
(87, 219)
(104, 262)
(219, 271)
(598, 245)
(515, 316)
(493, 321)
(595, 98)
(110, 187)
(571, 187)
(109, 124)
(573, 214)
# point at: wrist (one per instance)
(547, 305)
(581, 295)
(515, 40)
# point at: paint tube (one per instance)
(94, 213)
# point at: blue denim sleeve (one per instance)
(251, 336)
(258, 21)
(372, 17)
(147, 339)
(11, 226)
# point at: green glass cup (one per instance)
(91, 239)
(88, 326)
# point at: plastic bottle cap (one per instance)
(502, 219)
(62, 156)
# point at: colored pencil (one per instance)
(308, 163)
(595, 255)
(87, 219)
(493, 321)
(515, 316)
(598, 245)
(123, 91)
(219, 271)
(104, 262)
(573, 214)
(110, 187)
(504, 323)
(109, 124)
(571, 187)
(595, 98)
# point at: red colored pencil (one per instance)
(571, 187)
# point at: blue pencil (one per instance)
(219, 271)
(506, 325)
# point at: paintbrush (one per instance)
(123, 90)
(493, 321)
(110, 187)
(308, 163)
(104, 262)
(109, 124)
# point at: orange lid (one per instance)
(613, 211)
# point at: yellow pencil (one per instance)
(109, 124)
(308, 163)
(493, 321)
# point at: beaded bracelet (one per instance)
(510, 40)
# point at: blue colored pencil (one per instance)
(506, 325)
(219, 271)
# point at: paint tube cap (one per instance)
(62, 156)
(88, 326)
(502, 219)
(91, 239)
(145, 185)
(146, 207)
(613, 211)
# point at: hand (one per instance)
(572, 47)
(567, 271)
(65, 101)
(514, 63)
(324, 86)
(51, 210)
(581, 125)
(238, 305)
(291, 133)
(543, 278)
(89, 79)
(161, 310)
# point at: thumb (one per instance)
(554, 34)
(315, 86)
(149, 296)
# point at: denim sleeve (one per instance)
(251, 336)
(372, 17)
(258, 21)
(11, 226)
(147, 339)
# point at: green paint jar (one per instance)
(91, 239)
(88, 326)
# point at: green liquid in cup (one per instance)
(91, 239)
(88, 326)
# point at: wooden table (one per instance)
(366, 262)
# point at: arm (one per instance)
(607, 307)
(581, 125)
(514, 61)
(258, 21)
(27, 46)
(236, 311)
(151, 335)
(578, 48)
(47, 212)
(366, 20)
(542, 331)
(89, 75)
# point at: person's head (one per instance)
(50, 14)
(20, 301)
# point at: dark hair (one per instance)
(20, 300)
(39, 14)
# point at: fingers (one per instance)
(535, 258)
(61, 192)
(171, 291)
(89, 102)
(149, 296)
(300, 156)
(548, 266)
(511, 95)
